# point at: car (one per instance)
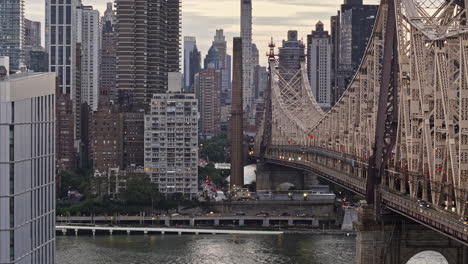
(240, 213)
(262, 214)
(423, 204)
(464, 220)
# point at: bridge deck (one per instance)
(437, 219)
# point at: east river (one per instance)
(212, 249)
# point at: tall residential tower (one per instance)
(247, 61)
(148, 37)
(90, 39)
(319, 62)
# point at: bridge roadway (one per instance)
(437, 219)
(159, 230)
(195, 220)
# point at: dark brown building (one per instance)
(237, 128)
(133, 139)
(105, 139)
(208, 86)
(65, 136)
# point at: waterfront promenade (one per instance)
(156, 230)
(192, 221)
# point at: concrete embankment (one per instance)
(350, 216)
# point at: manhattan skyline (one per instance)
(201, 18)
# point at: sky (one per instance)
(201, 18)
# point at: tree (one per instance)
(216, 176)
(71, 181)
(141, 191)
(214, 149)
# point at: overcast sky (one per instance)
(271, 18)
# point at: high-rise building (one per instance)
(32, 39)
(109, 14)
(335, 54)
(227, 82)
(208, 85)
(38, 61)
(194, 67)
(32, 34)
(357, 21)
(260, 81)
(190, 44)
(212, 58)
(319, 62)
(107, 91)
(148, 37)
(221, 45)
(62, 25)
(291, 55)
(237, 117)
(247, 60)
(90, 52)
(171, 140)
(355, 27)
(255, 56)
(27, 165)
(12, 32)
(131, 51)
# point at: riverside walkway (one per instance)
(156, 230)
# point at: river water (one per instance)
(211, 249)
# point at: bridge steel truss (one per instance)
(402, 123)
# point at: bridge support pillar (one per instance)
(167, 222)
(263, 173)
(241, 222)
(290, 222)
(192, 222)
(216, 222)
(266, 222)
(315, 223)
(76, 232)
(395, 240)
(369, 240)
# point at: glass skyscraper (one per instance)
(12, 31)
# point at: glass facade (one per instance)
(12, 31)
